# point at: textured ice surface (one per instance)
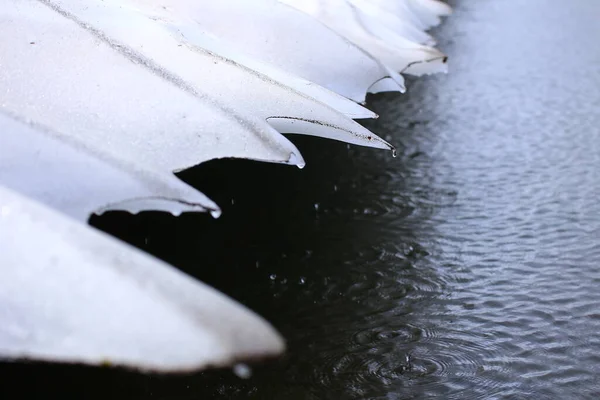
(364, 30)
(289, 39)
(77, 180)
(72, 294)
(77, 81)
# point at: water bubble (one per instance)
(242, 371)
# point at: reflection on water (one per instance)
(468, 267)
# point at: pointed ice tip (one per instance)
(366, 114)
(443, 9)
(216, 214)
(434, 65)
(388, 145)
(398, 78)
(388, 84)
(377, 142)
(297, 160)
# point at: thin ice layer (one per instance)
(76, 81)
(393, 50)
(400, 26)
(429, 11)
(423, 14)
(196, 59)
(72, 294)
(307, 49)
(78, 180)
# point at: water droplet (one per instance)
(257, 264)
(242, 371)
(302, 280)
(335, 188)
(394, 153)
(316, 206)
(272, 277)
(215, 213)
(232, 201)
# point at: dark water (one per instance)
(468, 267)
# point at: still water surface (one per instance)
(468, 267)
